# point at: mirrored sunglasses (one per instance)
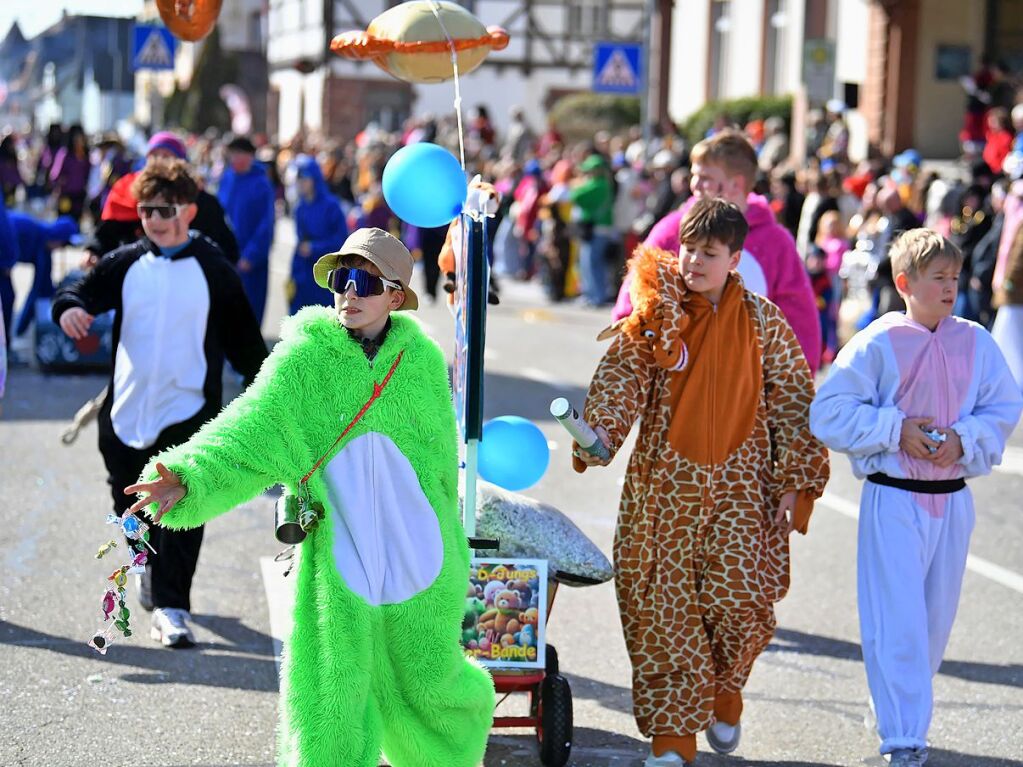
(165, 212)
(364, 283)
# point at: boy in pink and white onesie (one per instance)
(920, 401)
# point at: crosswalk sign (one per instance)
(617, 68)
(154, 48)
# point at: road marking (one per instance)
(543, 377)
(280, 597)
(1012, 461)
(979, 565)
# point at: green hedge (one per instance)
(579, 115)
(739, 111)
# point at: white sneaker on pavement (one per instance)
(170, 627)
(724, 738)
(667, 759)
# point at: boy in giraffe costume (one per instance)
(724, 468)
(374, 660)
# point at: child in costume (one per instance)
(724, 469)
(374, 659)
(179, 311)
(920, 401)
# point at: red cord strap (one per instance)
(378, 388)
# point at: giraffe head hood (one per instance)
(657, 318)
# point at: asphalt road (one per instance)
(65, 705)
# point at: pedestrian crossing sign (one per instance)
(617, 68)
(153, 49)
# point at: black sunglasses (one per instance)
(365, 284)
(166, 212)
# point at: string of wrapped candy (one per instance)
(116, 614)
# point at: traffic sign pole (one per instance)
(644, 94)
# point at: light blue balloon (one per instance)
(513, 453)
(424, 185)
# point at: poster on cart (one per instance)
(506, 612)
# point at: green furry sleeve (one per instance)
(253, 444)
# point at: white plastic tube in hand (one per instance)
(581, 432)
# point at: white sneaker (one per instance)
(170, 627)
(667, 759)
(724, 738)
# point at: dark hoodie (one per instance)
(321, 223)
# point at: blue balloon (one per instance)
(424, 185)
(513, 453)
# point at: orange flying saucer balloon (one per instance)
(189, 20)
(409, 41)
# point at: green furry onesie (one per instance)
(374, 660)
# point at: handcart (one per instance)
(523, 529)
(549, 696)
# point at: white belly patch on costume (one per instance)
(387, 542)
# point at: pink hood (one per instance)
(788, 284)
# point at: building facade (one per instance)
(896, 63)
(550, 54)
(75, 71)
(242, 29)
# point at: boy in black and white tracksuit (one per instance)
(180, 309)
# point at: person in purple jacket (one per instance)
(725, 166)
(70, 174)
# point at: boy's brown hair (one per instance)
(714, 219)
(352, 261)
(916, 249)
(731, 150)
(172, 179)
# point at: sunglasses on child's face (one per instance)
(365, 284)
(166, 212)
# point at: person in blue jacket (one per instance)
(248, 199)
(320, 228)
(36, 242)
(9, 256)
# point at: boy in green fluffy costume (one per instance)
(374, 660)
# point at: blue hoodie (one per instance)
(32, 236)
(248, 200)
(321, 223)
(8, 258)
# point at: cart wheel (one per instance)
(551, 660)
(554, 731)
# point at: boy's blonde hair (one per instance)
(916, 249)
(731, 150)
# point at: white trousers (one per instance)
(910, 572)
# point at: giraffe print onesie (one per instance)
(723, 395)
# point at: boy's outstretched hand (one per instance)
(166, 491)
(588, 458)
(913, 440)
(786, 512)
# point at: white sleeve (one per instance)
(996, 410)
(847, 414)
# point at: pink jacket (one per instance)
(788, 284)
